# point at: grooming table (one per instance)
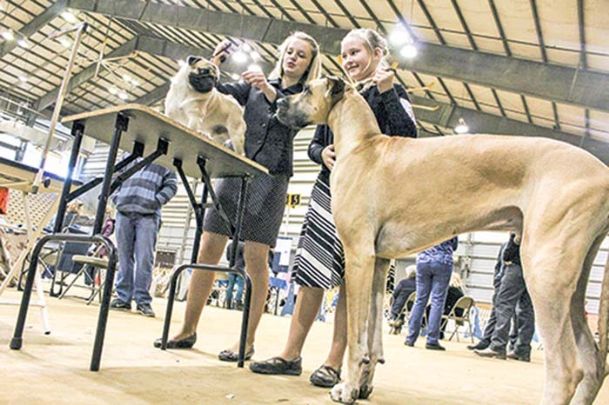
(20, 177)
(143, 130)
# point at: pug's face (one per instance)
(202, 74)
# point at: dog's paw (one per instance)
(344, 393)
(365, 391)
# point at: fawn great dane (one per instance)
(394, 196)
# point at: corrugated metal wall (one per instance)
(477, 251)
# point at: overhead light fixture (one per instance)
(65, 42)
(409, 51)
(399, 36)
(23, 79)
(254, 68)
(123, 96)
(69, 17)
(113, 90)
(255, 56)
(240, 57)
(8, 35)
(461, 127)
(23, 43)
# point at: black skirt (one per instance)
(264, 206)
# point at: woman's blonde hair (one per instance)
(314, 69)
(371, 39)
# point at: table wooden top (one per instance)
(148, 126)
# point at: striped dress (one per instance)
(320, 261)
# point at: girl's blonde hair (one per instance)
(371, 39)
(314, 69)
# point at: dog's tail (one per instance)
(603, 318)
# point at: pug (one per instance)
(193, 101)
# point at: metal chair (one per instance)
(460, 314)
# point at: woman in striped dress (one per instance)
(319, 264)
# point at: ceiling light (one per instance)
(409, 51)
(255, 56)
(8, 35)
(69, 17)
(399, 36)
(23, 79)
(254, 68)
(461, 127)
(65, 42)
(123, 96)
(113, 90)
(135, 83)
(240, 57)
(23, 43)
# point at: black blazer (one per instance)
(389, 113)
(267, 141)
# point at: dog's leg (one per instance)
(587, 351)
(551, 280)
(358, 282)
(375, 327)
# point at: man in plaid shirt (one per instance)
(138, 218)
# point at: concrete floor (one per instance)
(54, 369)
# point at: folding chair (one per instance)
(460, 314)
(396, 324)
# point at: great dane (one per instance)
(394, 196)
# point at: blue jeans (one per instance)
(135, 241)
(232, 280)
(432, 279)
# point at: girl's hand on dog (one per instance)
(258, 80)
(328, 156)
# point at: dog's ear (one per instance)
(336, 88)
(192, 59)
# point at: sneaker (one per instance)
(119, 305)
(520, 357)
(409, 343)
(277, 366)
(146, 310)
(434, 346)
(490, 353)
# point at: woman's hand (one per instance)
(328, 156)
(383, 78)
(258, 80)
(222, 51)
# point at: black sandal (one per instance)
(277, 366)
(229, 355)
(186, 343)
(325, 377)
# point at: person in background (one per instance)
(235, 279)
(434, 269)
(138, 204)
(402, 291)
(513, 298)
